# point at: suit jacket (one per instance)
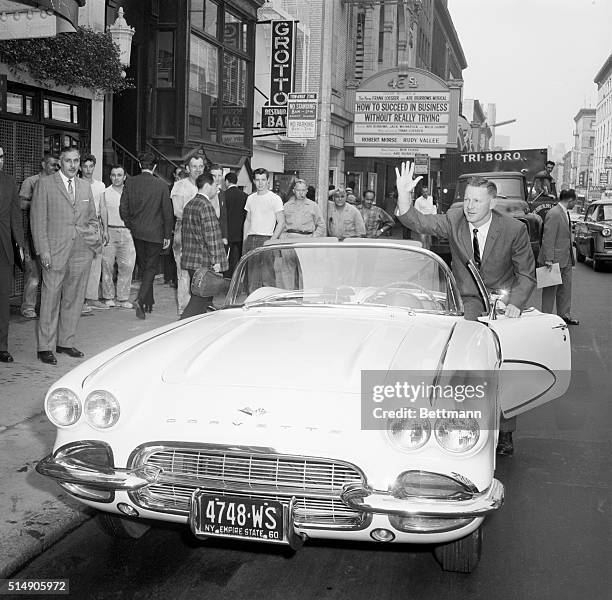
(146, 208)
(557, 238)
(55, 221)
(507, 260)
(10, 219)
(223, 214)
(235, 199)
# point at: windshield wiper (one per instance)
(290, 295)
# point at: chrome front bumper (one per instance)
(72, 470)
(377, 502)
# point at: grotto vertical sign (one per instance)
(274, 114)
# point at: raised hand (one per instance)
(405, 182)
(404, 178)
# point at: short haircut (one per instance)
(88, 157)
(48, 156)
(261, 171)
(67, 149)
(550, 162)
(215, 167)
(206, 177)
(368, 191)
(567, 195)
(485, 183)
(231, 177)
(147, 160)
(118, 166)
(301, 182)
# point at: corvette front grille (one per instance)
(315, 483)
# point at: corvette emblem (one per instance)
(252, 412)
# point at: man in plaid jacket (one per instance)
(202, 240)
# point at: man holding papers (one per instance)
(557, 248)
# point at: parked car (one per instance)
(593, 235)
(259, 421)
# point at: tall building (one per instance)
(602, 164)
(583, 152)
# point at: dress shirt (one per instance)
(425, 205)
(304, 216)
(483, 231)
(66, 180)
(345, 222)
(97, 189)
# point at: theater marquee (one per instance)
(400, 117)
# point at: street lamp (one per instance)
(122, 35)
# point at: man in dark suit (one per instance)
(497, 244)
(146, 210)
(235, 199)
(66, 236)
(10, 223)
(557, 248)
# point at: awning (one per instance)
(272, 160)
(21, 19)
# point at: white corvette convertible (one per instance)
(286, 415)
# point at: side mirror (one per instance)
(496, 300)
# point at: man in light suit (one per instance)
(146, 210)
(497, 244)
(557, 248)
(66, 238)
(11, 226)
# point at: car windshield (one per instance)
(345, 273)
(507, 187)
(607, 212)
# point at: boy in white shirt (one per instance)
(264, 221)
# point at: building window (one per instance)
(205, 16)
(60, 111)
(19, 104)
(234, 117)
(165, 59)
(203, 89)
(235, 32)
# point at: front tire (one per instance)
(597, 265)
(460, 556)
(122, 527)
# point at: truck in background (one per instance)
(520, 176)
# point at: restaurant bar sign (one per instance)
(274, 114)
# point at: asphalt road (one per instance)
(551, 540)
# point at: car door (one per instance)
(583, 233)
(536, 360)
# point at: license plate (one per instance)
(236, 517)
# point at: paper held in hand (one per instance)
(547, 277)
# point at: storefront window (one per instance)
(19, 104)
(203, 89)
(235, 32)
(205, 16)
(234, 100)
(165, 59)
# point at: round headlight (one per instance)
(63, 407)
(408, 434)
(606, 231)
(457, 435)
(101, 409)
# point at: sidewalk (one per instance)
(34, 510)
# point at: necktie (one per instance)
(476, 249)
(71, 190)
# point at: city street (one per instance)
(551, 539)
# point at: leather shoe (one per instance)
(47, 357)
(505, 447)
(5, 356)
(571, 321)
(140, 313)
(69, 351)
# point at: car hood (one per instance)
(320, 348)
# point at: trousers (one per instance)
(147, 258)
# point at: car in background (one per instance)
(593, 234)
(256, 422)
